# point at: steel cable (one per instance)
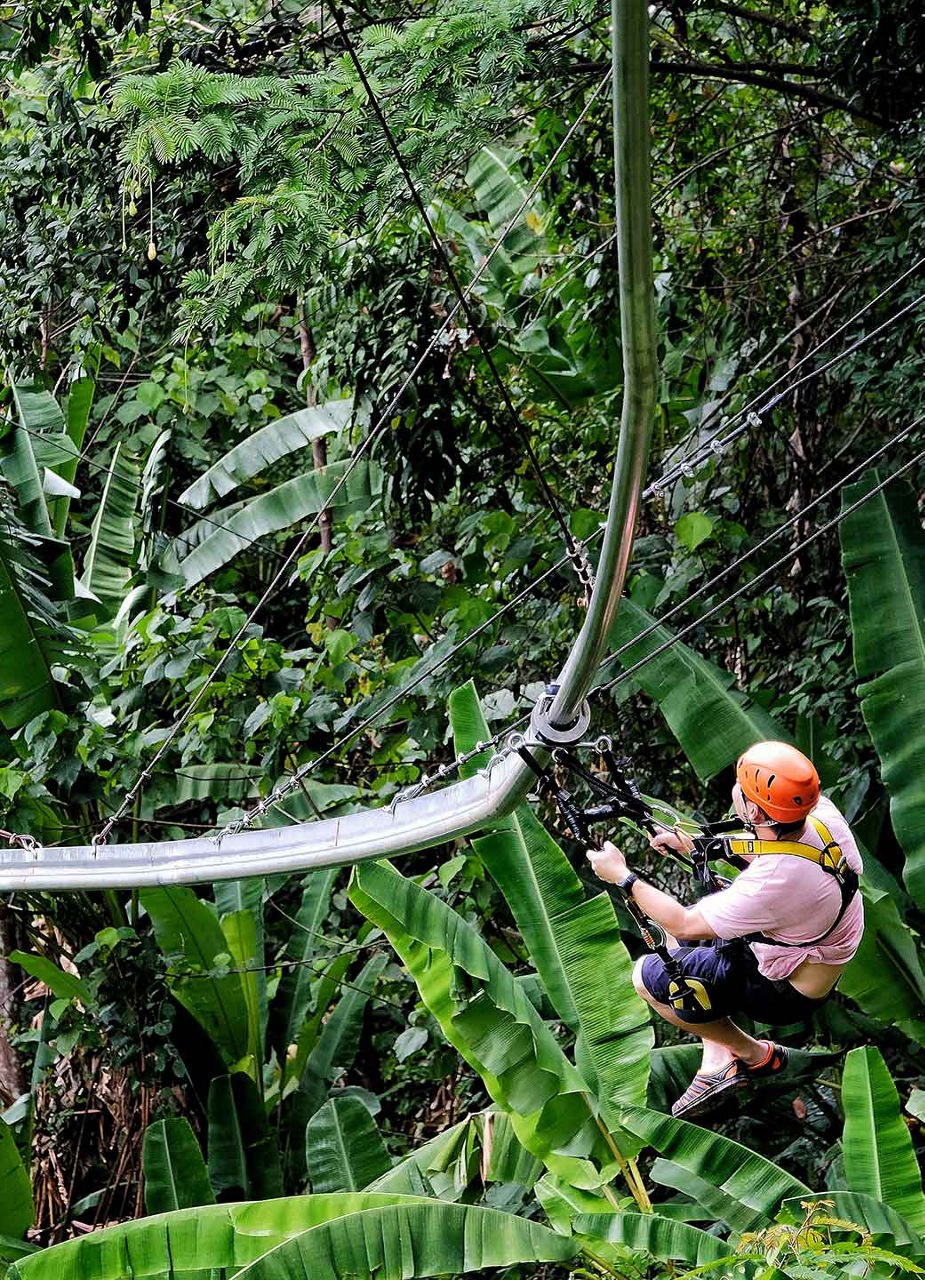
(358, 454)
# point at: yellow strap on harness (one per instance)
(830, 858)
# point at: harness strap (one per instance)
(829, 859)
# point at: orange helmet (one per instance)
(780, 779)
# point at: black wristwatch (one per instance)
(627, 885)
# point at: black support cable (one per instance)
(765, 573)
(759, 546)
(462, 297)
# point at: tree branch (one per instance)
(766, 19)
(743, 73)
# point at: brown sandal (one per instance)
(706, 1093)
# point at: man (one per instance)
(773, 944)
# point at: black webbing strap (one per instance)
(621, 801)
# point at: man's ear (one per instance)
(756, 815)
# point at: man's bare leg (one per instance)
(722, 1039)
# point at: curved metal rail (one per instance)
(465, 806)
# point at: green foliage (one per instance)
(175, 1173)
(879, 1157)
(344, 1150)
(883, 550)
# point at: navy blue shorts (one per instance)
(725, 982)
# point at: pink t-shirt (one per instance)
(794, 900)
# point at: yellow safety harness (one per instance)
(829, 859)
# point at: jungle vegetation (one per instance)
(213, 285)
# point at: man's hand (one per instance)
(608, 863)
(675, 840)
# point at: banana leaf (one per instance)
(76, 418)
(885, 977)
(293, 997)
(245, 947)
(884, 1223)
(265, 447)
(338, 1043)
(487, 1017)
(500, 190)
(187, 929)
(110, 558)
(286, 505)
(221, 780)
(713, 722)
(883, 554)
(433, 1238)
(879, 1157)
(200, 1240)
(175, 1173)
(574, 942)
(755, 1185)
(663, 1238)
(244, 1159)
(30, 630)
(247, 895)
(15, 1187)
(344, 1150)
(18, 463)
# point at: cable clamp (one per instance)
(687, 470)
(718, 447)
(582, 565)
(16, 840)
(558, 735)
(753, 420)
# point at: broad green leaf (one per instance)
(885, 978)
(344, 1150)
(76, 417)
(15, 1187)
(664, 1238)
(188, 932)
(174, 1170)
(247, 895)
(884, 1223)
(222, 780)
(713, 722)
(265, 447)
(240, 932)
(66, 986)
(574, 942)
(110, 558)
(693, 528)
(426, 1239)
(879, 1157)
(883, 553)
(338, 1043)
(19, 465)
(243, 1150)
(485, 1014)
(30, 639)
(286, 505)
(755, 1183)
(500, 189)
(207, 1238)
(293, 997)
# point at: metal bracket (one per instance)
(558, 735)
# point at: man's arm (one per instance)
(681, 922)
